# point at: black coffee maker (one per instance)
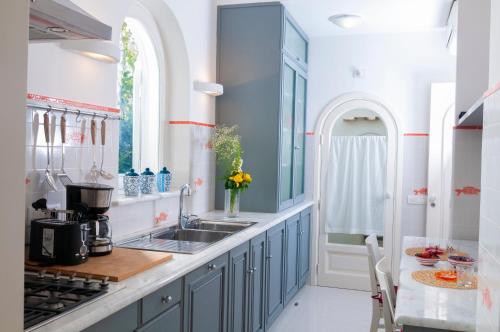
(95, 199)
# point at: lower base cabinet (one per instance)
(169, 321)
(205, 297)
(244, 290)
(125, 320)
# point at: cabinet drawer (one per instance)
(295, 42)
(159, 301)
(125, 320)
(169, 321)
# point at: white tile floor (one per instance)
(322, 309)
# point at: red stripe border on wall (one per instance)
(194, 123)
(468, 127)
(71, 103)
(417, 134)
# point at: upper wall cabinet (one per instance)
(262, 63)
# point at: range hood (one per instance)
(61, 19)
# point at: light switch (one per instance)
(417, 199)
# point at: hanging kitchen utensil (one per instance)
(63, 177)
(83, 129)
(34, 133)
(53, 122)
(48, 181)
(102, 172)
(93, 174)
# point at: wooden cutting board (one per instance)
(121, 264)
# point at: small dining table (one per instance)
(422, 308)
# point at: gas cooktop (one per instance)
(47, 296)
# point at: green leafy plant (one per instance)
(126, 70)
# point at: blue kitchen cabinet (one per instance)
(168, 321)
(275, 270)
(125, 320)
(257, 285)
(262, 63)
(239, 272)
(292, 257)
(304, 246)
(206, 297)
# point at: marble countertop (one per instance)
(137, 287)
(434, 307)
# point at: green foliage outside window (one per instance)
(126, 69)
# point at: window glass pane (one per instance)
(295, 43)
(300, 135)
(126, 70)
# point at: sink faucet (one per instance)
(183, 217)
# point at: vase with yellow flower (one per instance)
(227, 147)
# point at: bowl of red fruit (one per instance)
(427, 258)
(461, 260)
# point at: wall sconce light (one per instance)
(99, 50)
(212, 89)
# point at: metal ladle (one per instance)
(102, 172)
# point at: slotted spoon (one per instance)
(63, 177)
(48, 181)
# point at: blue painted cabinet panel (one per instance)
(125, 320)
(206, 296)
(239, 272)
(168, 321)
(304, 246)
(265, 96)
(275, 269)
(257, 286)
(292, 258)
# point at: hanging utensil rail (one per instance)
(73, 110)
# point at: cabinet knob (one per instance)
(296, 147)
(166, 299)
(211, 267)
(250, 271)
(269, 256)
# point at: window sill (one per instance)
(121, 199)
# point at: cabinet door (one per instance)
(169, 321)
(205, 297)
(257, 284)
(295, 42)
(239, 270)
(299, 138)
(286, 144)
(304, 246)
(125, 320)
(275, 268)
(292, 254)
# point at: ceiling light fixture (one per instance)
(212, 89)
(99, 50)
(346, 21)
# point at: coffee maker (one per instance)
(93, 199)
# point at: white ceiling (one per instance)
(379, 16)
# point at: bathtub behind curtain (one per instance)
(355, 185)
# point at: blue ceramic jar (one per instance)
(163, 180)
(131, 183)
(147, 181)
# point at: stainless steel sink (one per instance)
(192, 235)
(198, 236)
(221, 226)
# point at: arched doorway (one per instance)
(341, 255)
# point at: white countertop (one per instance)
(139, 286)
(434, 307)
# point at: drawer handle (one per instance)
(166, 299)
(252, 270)
(212, 267)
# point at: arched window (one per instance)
(140, 97)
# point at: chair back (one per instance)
(387, 287)
(373, 257)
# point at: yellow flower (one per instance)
(238, 178)
(247, 177)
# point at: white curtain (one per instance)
(355, 185)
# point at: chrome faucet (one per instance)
(183, 217)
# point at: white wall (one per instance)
(190, 26)
(399, 69)
(13, 59)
